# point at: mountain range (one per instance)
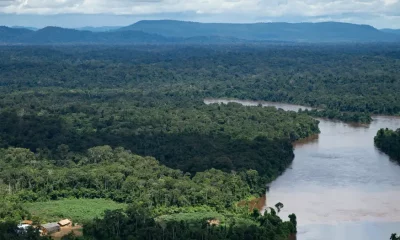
(171, 31)
(56, 35)
(99, 29)
(388, 30)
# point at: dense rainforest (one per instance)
(128, 124)
(352, 117)
(347, 77)
(153, 190)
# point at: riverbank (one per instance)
(284, 106)
(348, 117)
(336, 181)
(254, 202)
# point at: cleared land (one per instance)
(77, 231)
(78, 210)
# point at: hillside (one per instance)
(24, 27)
(303, 32)
(13, 34)
(393, 31)
(99, 29)
(63, 35)
(168, 31)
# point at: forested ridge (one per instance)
(129, 124)
(191, 138)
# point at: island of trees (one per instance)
(388, 141)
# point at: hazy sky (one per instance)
(78, 13)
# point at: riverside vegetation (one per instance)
(388, 141)
(128, 124)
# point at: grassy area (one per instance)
(82, 210)
(78, 210)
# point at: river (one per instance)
(339, 185)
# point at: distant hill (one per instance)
(13, 34)
(58, 35)
(54, 35)
(388, 30)
(167, 31)
(29, 28)
(88, 28)
(303, 32)
(99, 29)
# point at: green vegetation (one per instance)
(78, 210)
(193, 139)
(191, 217)
(389, 142)
(165, 199)
(346, 78)
(128, 125)
(354, 117)
(121, 225)
(117, 174)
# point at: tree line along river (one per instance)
(339, 185)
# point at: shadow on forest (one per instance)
(189, 152)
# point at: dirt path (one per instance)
(77, 230)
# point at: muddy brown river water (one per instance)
(339, 185)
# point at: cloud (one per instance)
(260, 7)
(230, 10)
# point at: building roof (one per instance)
(64, 222)
(27, 222)
(50, 226)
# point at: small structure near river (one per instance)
(50, 228)
(55, 230)
(65, 223)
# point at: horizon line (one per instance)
(189, 21)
